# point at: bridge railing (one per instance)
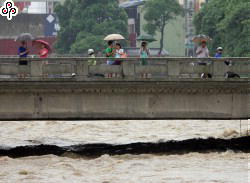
(79, 69)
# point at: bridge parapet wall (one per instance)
(130, 69)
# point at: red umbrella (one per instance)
(46, 44)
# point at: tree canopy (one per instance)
(157, 15)
(227, 22)
(84, 24)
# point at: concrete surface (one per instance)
(174, 91)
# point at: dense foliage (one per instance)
(157, 15)
(85, 23)
(227, 22)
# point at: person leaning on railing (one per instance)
(110, 52)
(203, 52)
(92, 60)
(119, 53)
(23, 52)
(228, 74)
(43, 52)
(219, 52)
(144, 55)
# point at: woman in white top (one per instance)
(119, 53)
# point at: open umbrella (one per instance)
(114, 37)
(25, 37)
(46, 44)
(200, 38)
(146, 37)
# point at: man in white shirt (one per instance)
(202, 51)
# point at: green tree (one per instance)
(158, 13)
(206, 23)
(84, 24)
(227, 23)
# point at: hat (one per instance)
(90, 51)
(219, 48)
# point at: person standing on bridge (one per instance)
(144, 53)
(202, 51)
(219, 52)
(110, 52)
(44, 48)
(23, 50)
(91, 54)
(119, 53)
(44, 52)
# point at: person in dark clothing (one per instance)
(23, 53)
(23, 50)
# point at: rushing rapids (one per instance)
(122, 151)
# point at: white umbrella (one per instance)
(114, 37)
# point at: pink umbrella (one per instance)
(46, 44)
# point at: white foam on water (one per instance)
(64, 133)
(194, 167)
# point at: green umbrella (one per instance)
(146, 37)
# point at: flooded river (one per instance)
(192, 167)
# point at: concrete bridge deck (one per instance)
(173, 89)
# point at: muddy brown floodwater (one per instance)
(211, 167)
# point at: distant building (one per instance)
(174, 40)
(131, 7)
(22, 6)
(36, 18)
(199, 4)
(36, 6)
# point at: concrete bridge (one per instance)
(166, 88)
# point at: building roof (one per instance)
(131, 3)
